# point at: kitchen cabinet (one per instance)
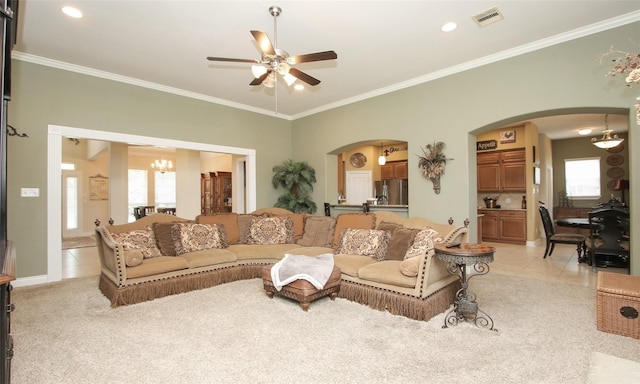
(503, 171)
(396, 170)
(506, 226)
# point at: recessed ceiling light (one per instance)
(584, 131)
(448, 27)
(298, 87)
(72, 12)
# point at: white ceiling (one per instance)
(381, 45)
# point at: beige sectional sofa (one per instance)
(387, 262)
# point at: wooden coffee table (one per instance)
(466, 255)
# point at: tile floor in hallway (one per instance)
(509, 259)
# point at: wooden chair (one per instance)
(608, 242)
(554, 238)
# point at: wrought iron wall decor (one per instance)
(11, 131)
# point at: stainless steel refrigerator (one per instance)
(392, 192)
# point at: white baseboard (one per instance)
(31, 280)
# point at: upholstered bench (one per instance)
(300, 290)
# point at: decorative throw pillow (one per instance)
(133, 258)
(366, 242)
(230, 222)
(190, 237)
(409, 267)
(401, 239)
(353, 221)
(318, 231)
(244, 221)
(387, 226)
(164, 239)
(143, 240)
(423, 243)
(298, 223)
(270, 230)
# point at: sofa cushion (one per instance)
(142, 240)
(352, 220)
(230, 222)
(366, 242)
(189, 237)
(261, 252)
(208, 257)
(133, 258)
(409, 267)
(298, 220)
(270, 230)
(401, 239)
(386, 272)
(351, 264)
(318, 231)
(156, 266)
(423, 242)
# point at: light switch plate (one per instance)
(30, 192)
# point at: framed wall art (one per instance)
(98, 187)
(508, 136)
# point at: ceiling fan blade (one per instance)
(233, 60)
(318, 56)
(263, 42)
(303, 76)
(259, 80)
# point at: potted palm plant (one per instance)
(297, 178)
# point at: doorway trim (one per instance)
(54, 178)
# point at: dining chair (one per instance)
(554, 238)
(608, 242)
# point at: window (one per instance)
(165, 193)
(72, 203)
(582, 178)
(137, 190)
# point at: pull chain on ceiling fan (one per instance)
(275, 61)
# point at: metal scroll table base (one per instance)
(465, 307)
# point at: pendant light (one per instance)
(382, 160)
(607, 141)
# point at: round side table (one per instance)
(458, 259)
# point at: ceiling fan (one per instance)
(276, 61)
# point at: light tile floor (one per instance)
(509, 259)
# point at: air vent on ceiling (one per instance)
(487, 17)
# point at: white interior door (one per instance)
(359, 186)
(71, 204)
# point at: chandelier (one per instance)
(162, 166)
(607, 141)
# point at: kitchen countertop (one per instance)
(502, 209)
(370, 206)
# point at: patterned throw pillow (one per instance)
(190, 237)
(423, 242)
(270, 230)
(365, 242)
(143, 240)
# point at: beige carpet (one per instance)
(79, 242)
(67, 333)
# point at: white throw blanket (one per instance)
(314, 269)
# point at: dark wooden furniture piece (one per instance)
(609, 243)
(560, 213)
(553, 238)
(302, 291)
(167, 211)
(458, 259)
(215, 192)
(143, 210)
(500, 171)
(504, 226)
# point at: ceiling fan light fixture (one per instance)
(298, 87)
(258, 70)
(270, 81)
(283, 68)
(289, 79)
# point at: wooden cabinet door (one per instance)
(490, 226)
(386, 171)
(488, 177)
(513, 177)
(513, 227)
(401, 170)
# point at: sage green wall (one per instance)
(560, 79)
(43, 95)
(581, 148)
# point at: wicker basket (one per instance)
(618, 302)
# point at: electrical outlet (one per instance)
(30, 192)
(508, 200)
